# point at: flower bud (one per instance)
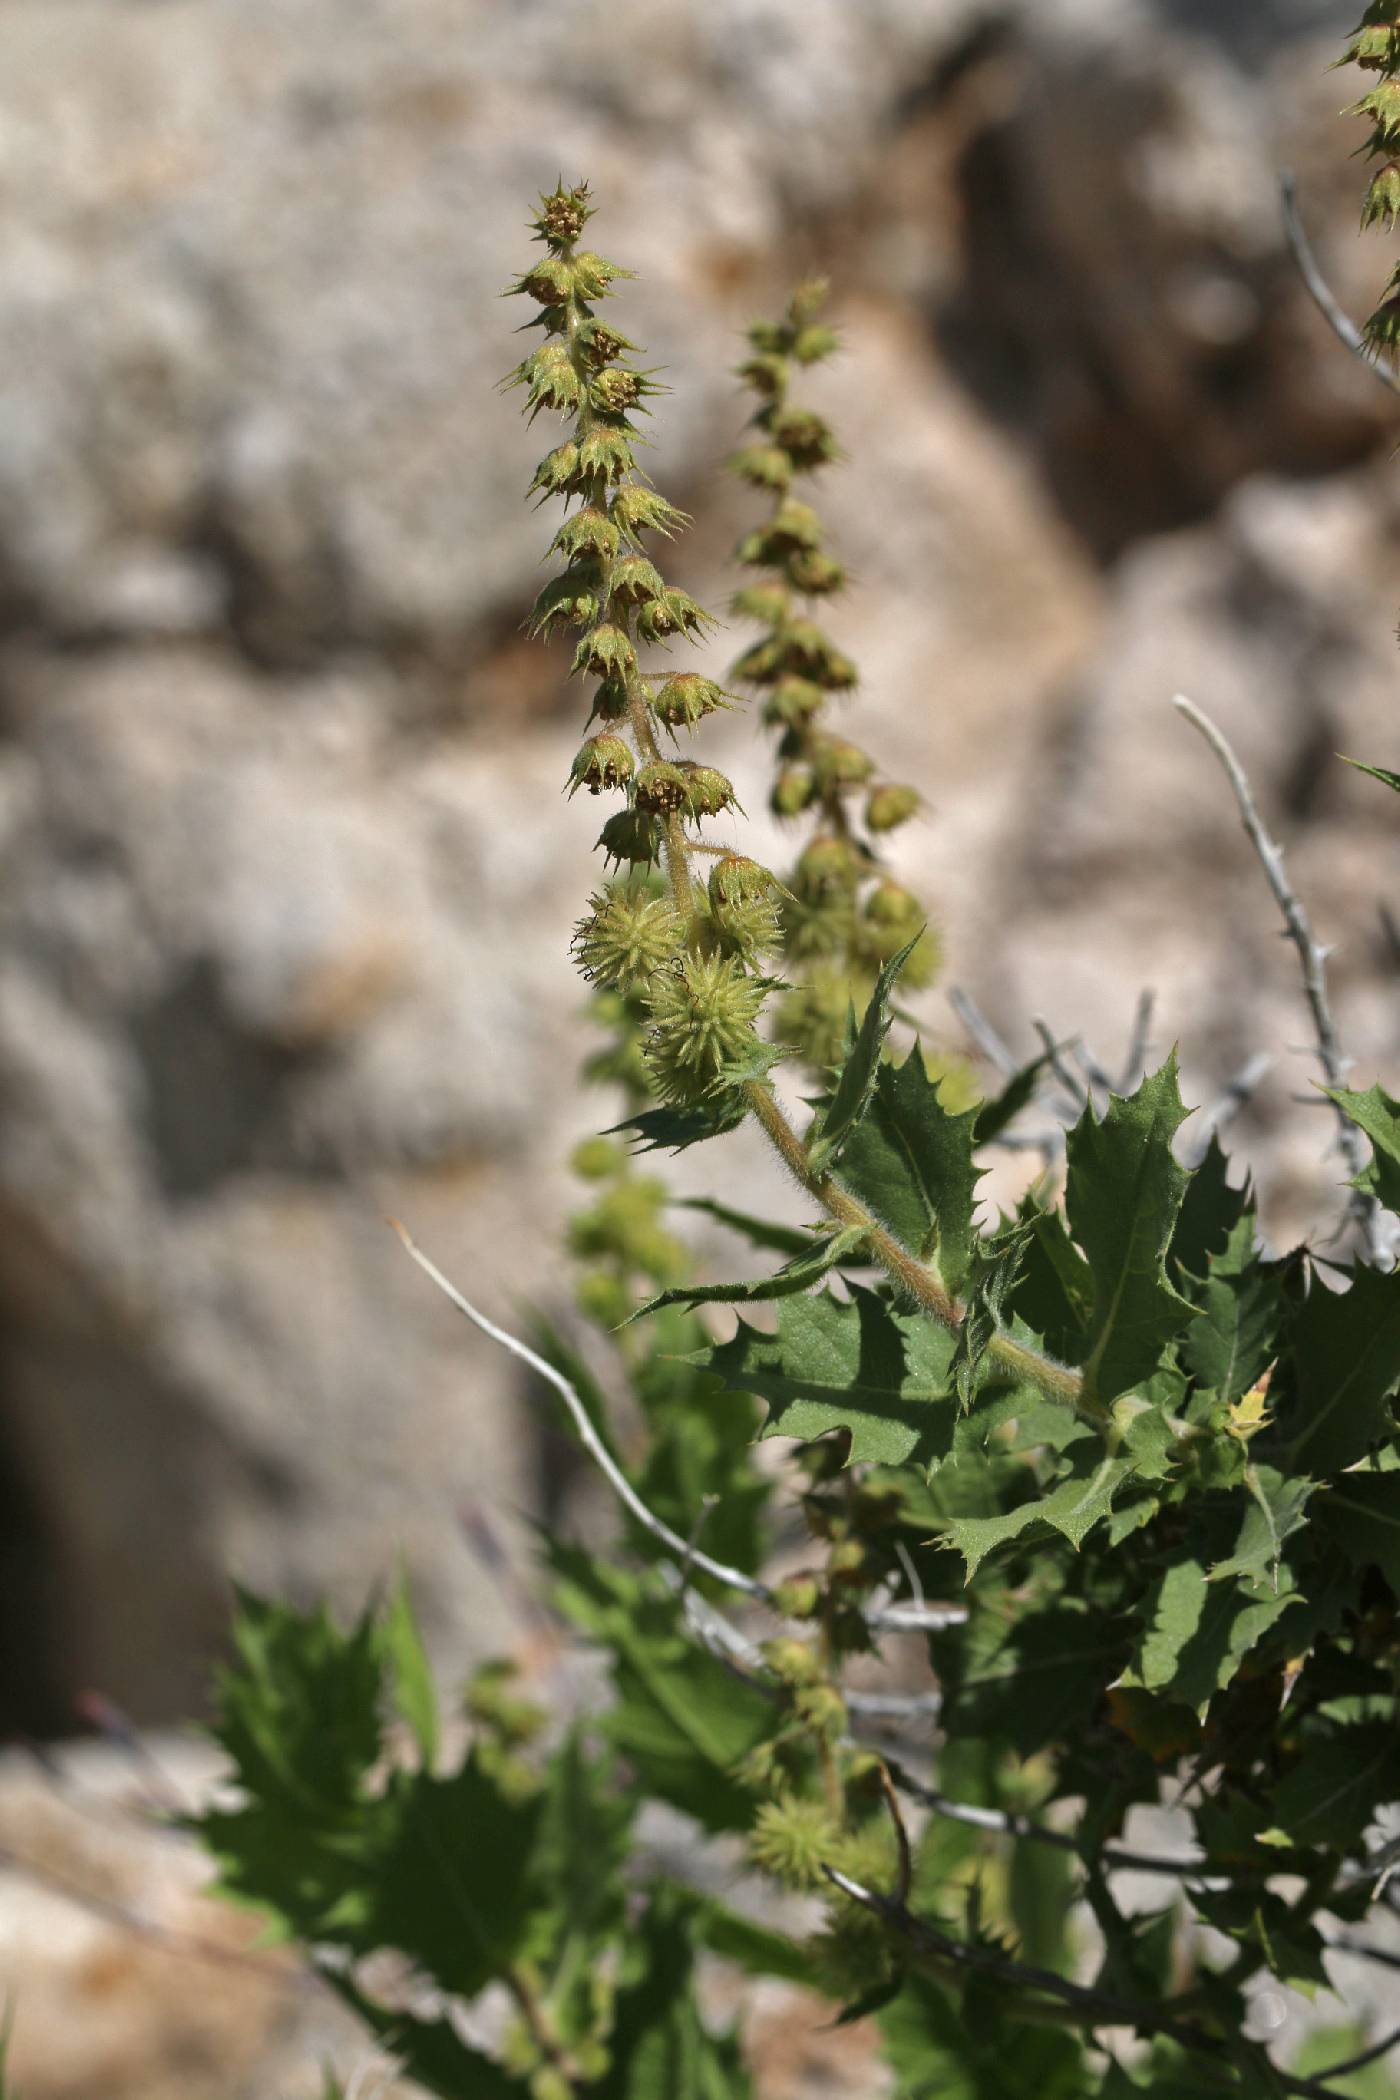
(762, 466)
(890, 904)
(793, 1662)
(563, 213)
(662, 787)
(605, 652)
(601, 344)
(626, 939)
(637, 509)
(588, 531)
(550, 380)
(735, 879)
(890, 806)
(615, 390)
(799, 1598)
(590, 275)
(602, 762)
(808, 652)
(1382, 206)
(816, 574)
(807, 300)
(804, 436)
(548, 281)
(685, 700)
(635, 580)
(558, 472)
(848, 1561)
(632, 836)
(674, 612)
(827, 863)
(768, 602)
(792, 527)
(571, 600)
(822, 1708)
(708, 791)
(792, 703)
(605, 453)
(838, 763)
(792, 791)
(814, 343)
(1382, 106)
(766, 372)
(597, 1159)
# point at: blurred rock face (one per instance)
(287, 879)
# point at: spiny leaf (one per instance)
(1033, 1679)
(1377, 1113)
(1228, 1349)
(1346, 1361)
(1277, 1510)
(1123, 1195)
(992, 1117)
(660, 2049)
(1072, 1507)
(882, 1375)
(681, 1718)
(676, 1129)
(855, 1083)
(989, 1284)
(797, 1275)
(1381, 773)
(410, 1672)
(1210, 1210)
(911, 1161)
(937, 2054)
(1198, 1633)
(760, 1232)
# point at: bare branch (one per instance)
(982, 1031)
(1139, 1043)
(1363, 1208)
(1234, 1096)
(893, 1618)
(686, 1552)
(1320, 292)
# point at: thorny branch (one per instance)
(1320, 291)
(1313, 958)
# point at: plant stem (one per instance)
(922, 1283)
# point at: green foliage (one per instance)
(1134, 1479)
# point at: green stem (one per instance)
(922, 1283)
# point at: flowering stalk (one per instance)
(692, 959)
(843, 917)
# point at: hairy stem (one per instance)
(922, 1283)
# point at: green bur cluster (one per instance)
(1134, 1482)
(843, 915)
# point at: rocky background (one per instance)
(287, 877)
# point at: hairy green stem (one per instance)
(922, 1283)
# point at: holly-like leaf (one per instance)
(1072, 1508)
(681, 1718)
(759, 1232)
(989, 1285)
(1054, 1288)
(1210, 1211)
(849, 1099)
(1277, 1509)
(1123, 1195)
(1018, 1093)
(410, 1672)
(859, 1366)
(1346, 1363)
(911, 1162)
(1198, 1633)
(1228, 1349)
(818, 1259)
(1377, 1113)
(1381, 773)
(584, 1830)
(1361, 1514)
(677, 1129)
